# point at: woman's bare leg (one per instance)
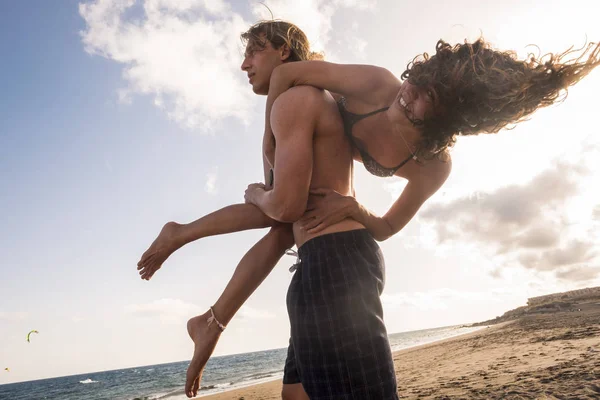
(254, 267)
(235, 218)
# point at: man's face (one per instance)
(259, 64)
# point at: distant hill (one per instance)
(574, 301)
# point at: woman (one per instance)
(398, 129)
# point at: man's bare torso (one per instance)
(332, 159)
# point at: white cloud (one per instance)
(211, 182)
(357, 46)
(314, 17)
(168, 311)
(175, 311)
(541, 225)
(596, 213)
(573, 252)
(439, 299)
(394, 186)
(13, 316)
(355, 42)
(186, 54)
(249, 313)
(579, 274)
(108, 163)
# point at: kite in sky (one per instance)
(29, 334)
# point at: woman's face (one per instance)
(416, 103)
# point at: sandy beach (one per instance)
(548, 356)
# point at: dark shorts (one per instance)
(339, 347)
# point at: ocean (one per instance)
(166, 381)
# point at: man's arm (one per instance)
(293, 119)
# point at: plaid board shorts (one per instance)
(339, 347)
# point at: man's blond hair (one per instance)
(280, 33)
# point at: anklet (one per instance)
(214, 319)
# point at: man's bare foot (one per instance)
(205, 339)
(162, 247)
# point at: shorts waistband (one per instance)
(353, 237)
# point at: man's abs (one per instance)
(332, 164)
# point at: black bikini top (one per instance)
(369, 162)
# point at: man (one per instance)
(269, 44)
(338, 347)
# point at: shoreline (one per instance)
(211, 390)
(550, 356)
(266, 385)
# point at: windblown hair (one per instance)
(481, 90)
(280, 33)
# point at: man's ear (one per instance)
(284, 52)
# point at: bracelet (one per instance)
(214, 319)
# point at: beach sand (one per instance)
(552, 356)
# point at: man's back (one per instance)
(331, 152)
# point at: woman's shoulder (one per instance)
(435, 170)
(380, 87)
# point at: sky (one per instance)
(118, 116)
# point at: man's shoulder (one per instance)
(297, 109)
(306, 96)
(300, 105)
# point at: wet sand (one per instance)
(550, 356)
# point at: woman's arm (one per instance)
(400, 214)
(365, 83)
(327, 207)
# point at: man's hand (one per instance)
(253, 191)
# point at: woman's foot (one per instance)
(205, 338)
(162, 247)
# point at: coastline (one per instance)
(539, 356)
(271, 389)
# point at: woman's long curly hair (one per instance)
(482, 90)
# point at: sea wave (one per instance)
(261, 375)
(207, 390)
(216, 386)
(162, 395)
